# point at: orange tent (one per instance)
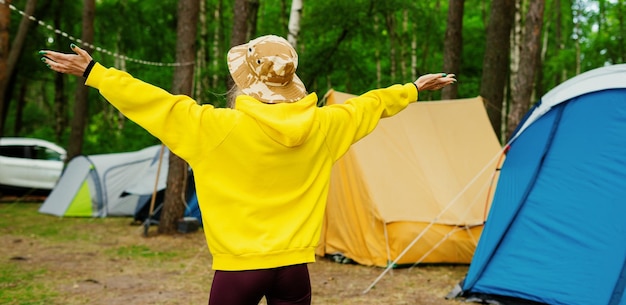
(416, 189)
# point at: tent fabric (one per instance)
(412, 177)
(559, 201)
(609, 77)
(192, 208)
(107, 184)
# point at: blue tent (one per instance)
(193, 208)
(556, 230)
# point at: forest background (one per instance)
(348, 45)
(510, 52)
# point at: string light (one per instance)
(96, 48)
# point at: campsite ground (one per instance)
(50, 260)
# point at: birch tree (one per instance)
(294, 22)
(516, 45)
(621, 12)
(216, 42)
(529, 53)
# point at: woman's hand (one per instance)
(74, 64)
(434, 81)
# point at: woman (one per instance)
(262, 168)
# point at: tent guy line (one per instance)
(393, 185)
(452, 202)
(86, 44)
(453, 230)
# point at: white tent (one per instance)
(108, 184)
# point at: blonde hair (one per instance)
(231, 96)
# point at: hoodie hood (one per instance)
(286, 123)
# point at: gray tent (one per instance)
(108, 184)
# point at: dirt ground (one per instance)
(112, 262)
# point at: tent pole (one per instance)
(493, 176)
(154, 191)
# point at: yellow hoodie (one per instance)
(261, 170)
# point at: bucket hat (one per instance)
(265, 68)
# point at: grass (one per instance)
(50, 260)
(24, 283)
(139, 252)
(24, 219)
(20, 286)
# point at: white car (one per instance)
(30, 164)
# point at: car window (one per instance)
(44, 153)
(14, 151)
(30, 152)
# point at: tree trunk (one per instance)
(202, 81)
(622, 31)
(579, 14)
(294, 22)
(77, 133)
(404, 50)
(240, 28)
(253, 14)
(19, 110)
(240, 23)
(540, 81)
(495, 63)
(5, 24)
(517, 31)
(413, 54)
(173, 205)
(379, 73)
(215, 62)
(453, 45)
(60, 98)
(390, 22)
(13, 56)
(528, 55)
(559, 39)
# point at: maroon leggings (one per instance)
(289, 285)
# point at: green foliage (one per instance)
(343, 44)
(138, 30)
(109, 132)
(472, 58)
(604, 37)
